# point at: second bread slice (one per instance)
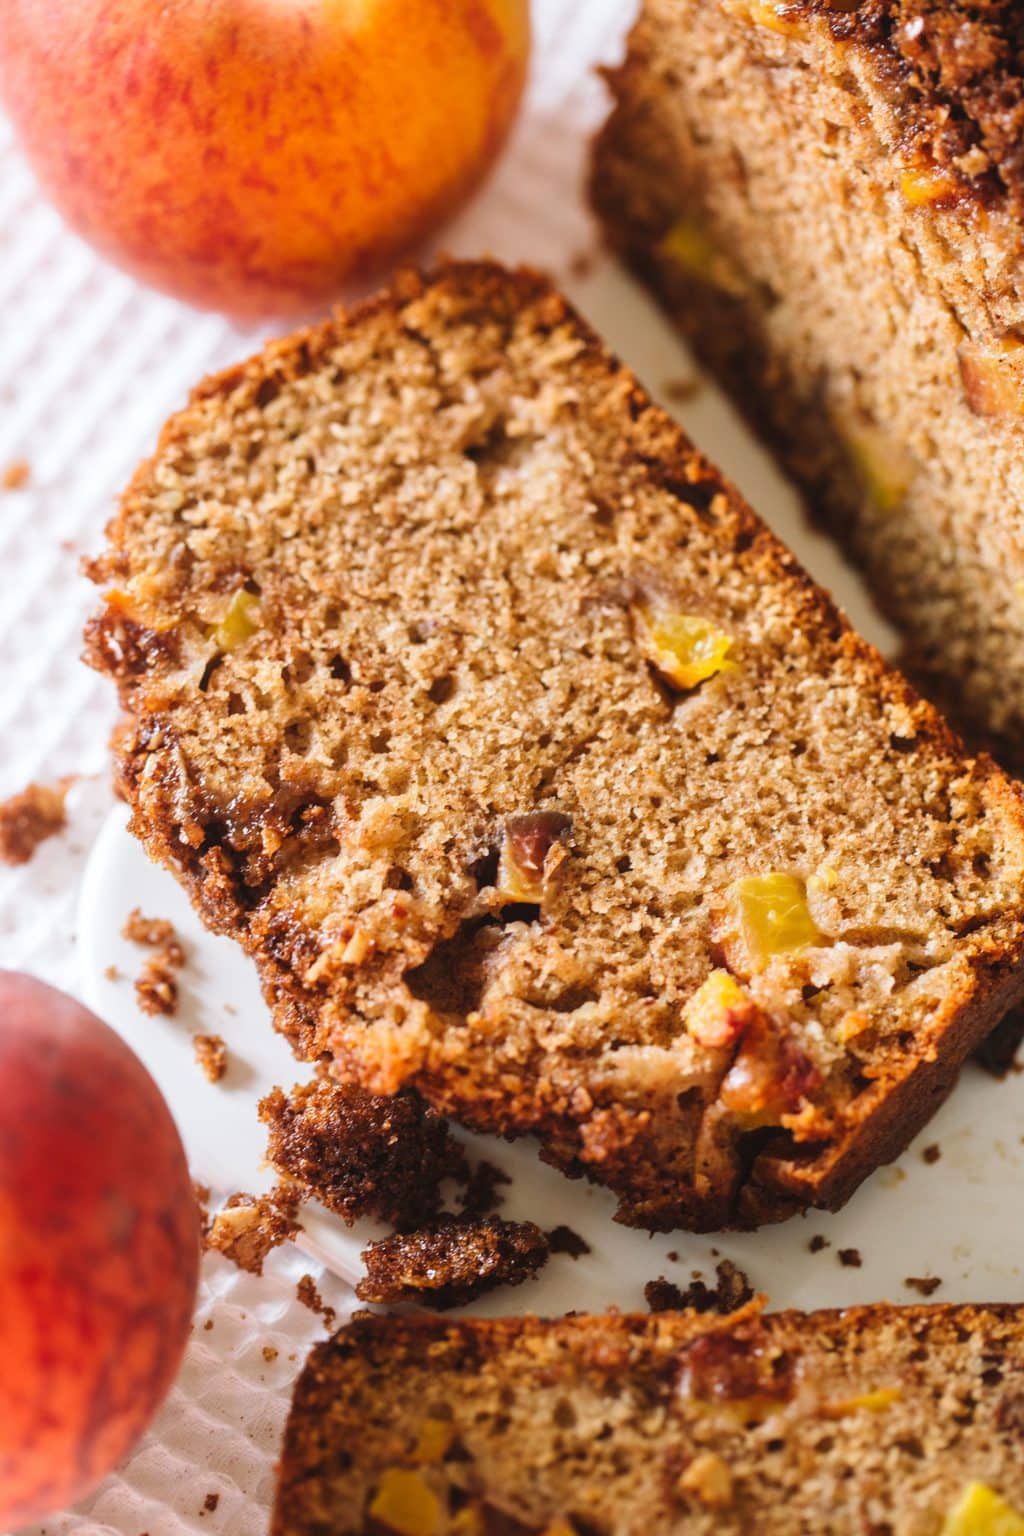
(537, 775)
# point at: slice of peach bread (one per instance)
(878, 1419)
(535, 773)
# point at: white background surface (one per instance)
(90, 365)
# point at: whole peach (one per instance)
(252, 155)
(99, 1249)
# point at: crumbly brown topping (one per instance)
(959, 68)
(731, 1291)
(360, 1154)
(212, 1056)
(29, 818)
(151, 932)
(452, 1261)
(156, 986)
(247, 1228)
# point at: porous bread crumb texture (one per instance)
(378, 610)
(847, 186)
(362, 1155)
(874, 1419)
(29, 818)
(450, 1261)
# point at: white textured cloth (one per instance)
(90, 365)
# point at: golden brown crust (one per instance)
(227, 853)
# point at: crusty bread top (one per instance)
(956, 70)
(381, 593)
(870, 1420)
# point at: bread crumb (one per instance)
(850, 1258)
(680, 390)
(452, 1261)
(818, 1243)
(208, 1325)
(29, 818)
(150, 931)
(362, 1155)
(156, 988)
(201, 1193)
(563, 1239)
(663, 1295)
(926, 1285)
(269, 1353)
(731, 1290)
(310, 1297)
(112, 973)
(210, 1502)
(932, 1153)
(581, 264)
(16, 475)
(481, 1195)
(245, 1229)
(212, 1056)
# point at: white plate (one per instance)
(954, 1219)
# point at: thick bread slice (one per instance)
(401, 581)
(873, 1420)
(829, 198)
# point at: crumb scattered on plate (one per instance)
(246, 1229)
(29, 818)
(563, 1239)
(818, 1243)
(156, 987)
(925, 1285)
(680, 390)
(212, 1056)
(932, 1153)
(850, 1258)
(310, 1297)
(362, 1155)
(731, 1290)
(452, 1261)
(16, 475)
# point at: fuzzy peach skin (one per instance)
(99, 1249)
(253, 155)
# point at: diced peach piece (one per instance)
(685, 648)
(981, 1511)
(719, 1011)
(406, 1503)
(923, 186)
(992, 374)
(774, 916)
